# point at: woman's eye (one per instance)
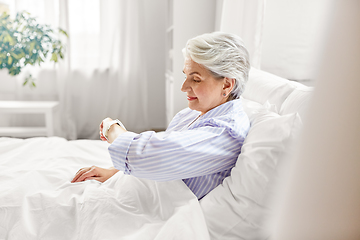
(196, 80)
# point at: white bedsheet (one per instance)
(37, 200)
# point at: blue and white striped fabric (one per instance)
(201, 152)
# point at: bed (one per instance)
(38, 201)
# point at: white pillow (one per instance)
(263, 86)
(297, 101)
(253, 108)
(240, 207)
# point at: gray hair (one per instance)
(224, 55)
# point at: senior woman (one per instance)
(203, 141)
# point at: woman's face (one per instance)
(204, 92)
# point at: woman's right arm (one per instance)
(179, 155)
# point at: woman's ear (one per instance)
(228, 85)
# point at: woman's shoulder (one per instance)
(230, 116)
(185, 113)
(182, 118)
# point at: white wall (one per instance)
(292, 31)
(191, 18)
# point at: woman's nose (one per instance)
(185, 86)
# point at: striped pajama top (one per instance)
(199, 150)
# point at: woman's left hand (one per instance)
(101, 127)
(94, 173)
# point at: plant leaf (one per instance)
(24, 41)
(63, 32)
(54, 57)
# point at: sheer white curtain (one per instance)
(103, 73)
(245, 19)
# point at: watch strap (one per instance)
(116, 121)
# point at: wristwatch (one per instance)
(108, 126)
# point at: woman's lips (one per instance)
(191, 98)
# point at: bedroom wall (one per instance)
(291, 38)
(190, 19)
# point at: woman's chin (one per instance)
(194, 107)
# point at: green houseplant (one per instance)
(23, 41)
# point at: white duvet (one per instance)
(37, 200)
